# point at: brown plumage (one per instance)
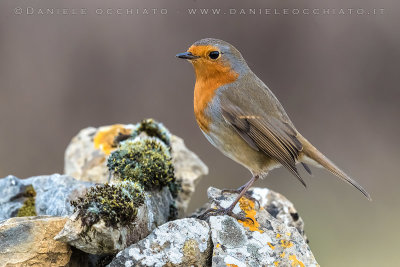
(240, 116)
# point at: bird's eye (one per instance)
(214, 54)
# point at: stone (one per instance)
(189, 169)
(279, 207)
(275, 239)
(100, 239)
(262, 240)
(11, 196)
(53, 194)
(28, 241)
(183, 242)
(86, 155)
(86, 159)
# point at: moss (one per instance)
(153, 129)
(28, 208)
(145, 160)
(114, 204)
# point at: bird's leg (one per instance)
(236, 191)
(228, 211)
(239, 190)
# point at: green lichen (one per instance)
(145, 160)
(28, 208)
(152, 128)
(114, 204)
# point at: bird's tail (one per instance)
(311, 152)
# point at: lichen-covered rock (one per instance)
(115, 204)
(43, 195)
(12, 192)
(101, 237)
(189, 169)
(152, 128)
(28, 241)
(279, 207)
(146, 177)
(86, 155)
(262, 240)
(184, 242)
(145, 160)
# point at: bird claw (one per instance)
(222, 211)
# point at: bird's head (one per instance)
(213, 57)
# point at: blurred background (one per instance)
(336, 75)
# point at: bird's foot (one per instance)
(247, 195)
(223, 211)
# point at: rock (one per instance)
(86, 155)
(86, 159)
(101, 239)
(53, 194)
(279, 207)
(28, 241)
(83, 259)
(272, 240)
(189, 169)
(11, 196)
(153, 176)
(268, 241)
(184, 242)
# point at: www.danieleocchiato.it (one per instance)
(45, 11)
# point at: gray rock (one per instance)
(268, 241)
(86, 159)
(271, 240)
(189, 169)
(11, 199)
(184, 242)
(53, 194)
(28, 241)
(100, 239)
(279, 207)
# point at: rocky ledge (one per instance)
(122, 202)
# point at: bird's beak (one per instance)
(187, 55)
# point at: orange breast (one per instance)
(209, 77)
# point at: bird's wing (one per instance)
(274, 137)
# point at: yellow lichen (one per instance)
(282, 255)
(218, 245)
(288, 234)
(286, 243)
(276, 263)
(278, 235)
(247, 207)
(295, 261)
(105, 139)
(191, 250)
(231, 265)
(271, 246)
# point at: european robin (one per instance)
(240, 116)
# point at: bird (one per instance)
(240, 116)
